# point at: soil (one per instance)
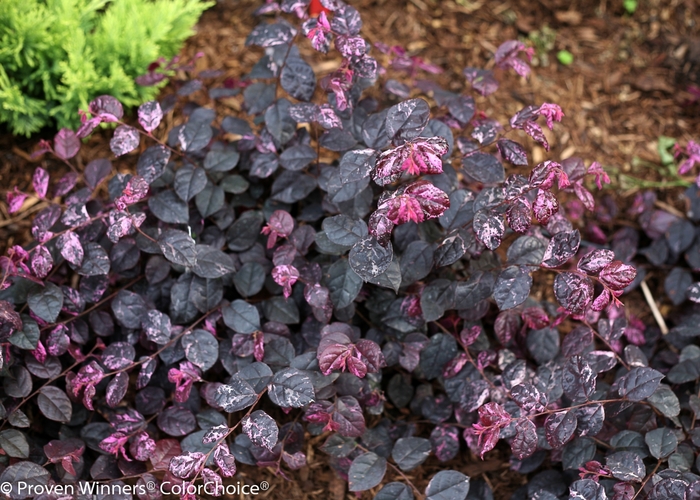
(627, 86)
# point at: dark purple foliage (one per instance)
(241, 290)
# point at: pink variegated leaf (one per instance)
(42, 262)
(552, 113)
(489, 228)
(433, 201)
(258, 346)
(71, 248)
(215, 485)
(15, 200)
(187, 464)
(142, 446)
(380, 227)
(285, 276)
(114, 444)
(150, 115)
(116, 389)
(88, 126)
(39, 353)
(535, 131)
(357, 367)
(216, 433)
(65, 184)
(602, 301)
(224, 460)
(280, 225)
(318, 30)
(544, 174)
(124, 140)
(66, 144)
(415, 157)
(519, 215)
(545, 206)
(65, 452)
(333, 357)
(469, 335)
(402, 209)
(44, 146)
(584, 195)
(351, 46)
(371, 355)
(40, 181)
(294, 461)
(601, 176)
(593, 262)
(316, 295)
(327, 118)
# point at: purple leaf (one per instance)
(108, 108)
(559, 428)
(573, 291)
(66, 144)
(71, 248)
(371, 355)
(261, 429)
(484, 168)
(65, 184)
(507, 57)
(407, 119)
(561, 248)
(529, 397)
(579, 379)
(524, 444)
(125, 140)
(512, 151)
(639, 383)
(482, 80)
(617, 275)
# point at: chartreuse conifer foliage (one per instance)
(58, 55)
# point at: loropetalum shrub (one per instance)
(237, 293)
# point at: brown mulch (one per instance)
(626, 87)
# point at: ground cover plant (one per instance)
(58, 55)
(320, 265)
